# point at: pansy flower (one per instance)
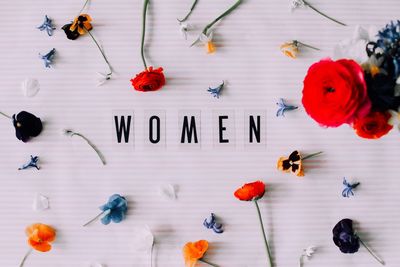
(40, 236)
(294, 163)
(113, 211)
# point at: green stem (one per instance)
(226, 13)
(102, 53)
(93, 146)
(326, 16)
(5, 115)
(95, 218)
(87, 1)
(25, 257)
(295, 42)
(190, 12)
(371, 252)
(146, 3)
(311, 155)
(209, 263)
(263, 232)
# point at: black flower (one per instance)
(344, 236)
(72, 35)
(26, 125)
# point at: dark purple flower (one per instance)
(26, 126)
(344, 236)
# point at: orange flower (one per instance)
(82, 24)
(250, 191)
(194, 251)
(40, 236)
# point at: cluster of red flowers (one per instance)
(336, 92)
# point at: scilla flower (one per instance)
(113, 211)
(26, 125)
(253, 192)
(348, 241)
(206, 35)
(150, 79)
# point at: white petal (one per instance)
(30, 87)
(40, 202)
(168, 191)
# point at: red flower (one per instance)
(251, 191)
(374, 125)
(335, 92)
(149, 80)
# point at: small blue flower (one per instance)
(33, 163)
(348, 190)
(48, 58)
(211, 223)
(282, 108)
(47, 25)
(215, 92)
(115, 209)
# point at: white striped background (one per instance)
(297, 212)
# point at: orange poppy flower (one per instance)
(82, 24)
(40, 236)
(194, 251)
(250, 191)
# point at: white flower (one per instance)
(296, 4)
(40, 202)
(30, 87)
(309, 251)
(184, 28)
(102, 78)
(355, 47)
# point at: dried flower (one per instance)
(303, 3)
(48, 58)
(348, 188)
(211, 223)
(71, 133)
(47, 26)
(33, 163)
(283, 107)
(113, 211)
(253, 192)
(294, 163)
(215, 92)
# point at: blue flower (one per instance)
(211, 223)
(215, 92)
(115, 209)
(48, 58)
(33, 163)
(348, 190)
(47, 25)
(282, 108)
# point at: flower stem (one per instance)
(326, 16)
(95, 218)
(5, 115)
(146, 3)
(93, 146)
(226, 13)
(190, 12)
(371, 252)
(25, 257)
(102, 53)
(87, 1)
(311, 155)
(295, 42)
(263, 232)
(209, 263)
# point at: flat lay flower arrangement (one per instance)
(362, 92)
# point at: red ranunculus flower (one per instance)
(374, 125)
(149, 80)
(251, 191)
(335, 92)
